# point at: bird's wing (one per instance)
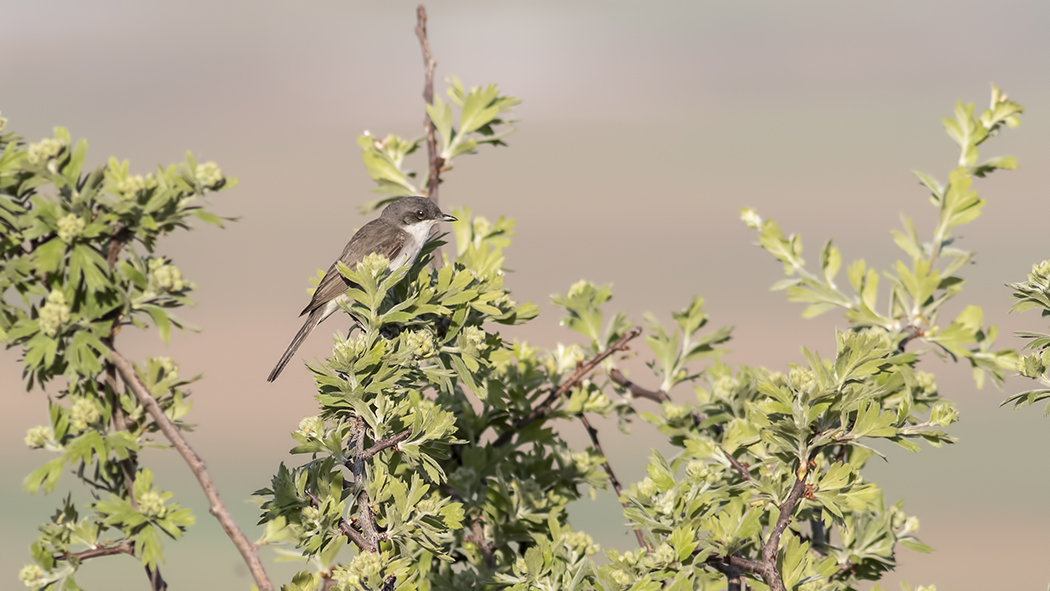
(378, 236)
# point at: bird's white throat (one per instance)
(417, 236)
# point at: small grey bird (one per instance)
(398, 234)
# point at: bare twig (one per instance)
(636, 390)
(543, 407)
(593, 434)
(477, 537)
(745, 473)
(122, 548)
(732, 573)
(215, 506)
(435, 160)
(364, 504)
(385, 443)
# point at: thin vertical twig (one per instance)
(433, 158)
(593, 434)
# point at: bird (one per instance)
(398, 234)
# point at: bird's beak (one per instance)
(448, 218)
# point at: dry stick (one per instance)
(215, 506)
(735, 463)
(435, 160)
(636, 390)
(477, 537)
(357, 467)
(542, 408)
(122, 548)
(593, 433)
(385, 443)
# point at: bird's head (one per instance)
(413, 211)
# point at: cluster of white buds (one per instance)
(54, 313)
(421, 342)
(166, 275)
(70, 227)
(45, 150)
(208, 174)
(83, 413)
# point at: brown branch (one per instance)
(735, 463)
(593, 434)
(772, 544)
(477, 537)
(385, 443)
(215, 506)
(364, 504)
(435, 160)
(636, 390)
(732, 573)
(122, 548)
(543, 407)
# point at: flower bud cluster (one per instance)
(32, 576)
(801, 378)
(475, 337)
(38, 437)
(83, 413)
(927, 381)
(421, 343)
(373, 264)
(166, 275)
(312, 427)
(168, 367)
(944, 414)
(54, 313)
(726, 386)
(208, 174)
(580, 542)
(45, 150)
(70, 227)
(132, 185)
(151, 504)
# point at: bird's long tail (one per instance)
(312, 321)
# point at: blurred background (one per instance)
(645, 127)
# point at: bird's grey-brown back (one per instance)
(398, 234)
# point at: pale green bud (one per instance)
(70, 227)
(311, 517)
(421, 342)
(132, 185)
(665, 503)
(482, 227)
(208, 174)
(674, 411)
(312, 427)
(725, 386)
(1041, 273)
(1033, 365)
(54, 313)
(580, 542)
(32, 575)
(427, 505)
(367, 565)
(476, 337)
(751, 218)
(580, 287)
(621, 577)
(566, 358)
(84, 413)
(944, 414)
(504, 302)
(168, 277)
(801, 378)
(647, 487)
(38, 437)
(44, 150)
(373, 264)
(927, 381)
(352, 348)
(911, 524)
(151, 504)
(665, 554)
(697, 470)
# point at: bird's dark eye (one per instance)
(420, 214)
